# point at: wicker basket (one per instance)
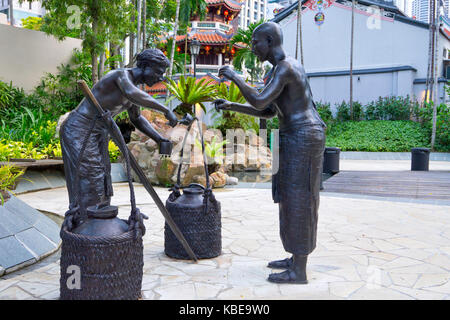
(203, 231)
(110, 267)
(197, 216)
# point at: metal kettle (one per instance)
(102, 221)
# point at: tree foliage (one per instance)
(245, 56)
(96, 22)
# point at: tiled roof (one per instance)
(159, 87)
(231, 4)
(210, 37)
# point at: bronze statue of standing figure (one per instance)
(296, 185)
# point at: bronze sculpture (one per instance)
(295, 187)
(116, 92)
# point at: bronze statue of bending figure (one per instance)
(295, 187)
(116, 92)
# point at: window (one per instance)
(255, 16)
(30, 6)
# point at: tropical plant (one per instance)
(8, 177)
(190, 92)
(231, 119)
(113, 150)
(6, 94)
(245, 56)
(213, 151)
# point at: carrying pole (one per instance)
(139, 172)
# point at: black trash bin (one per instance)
(331, 160)
(420, 159)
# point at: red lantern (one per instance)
(225, 13)
(207, 48)
(233, 51)
(178, 49)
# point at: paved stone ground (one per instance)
(367, 249)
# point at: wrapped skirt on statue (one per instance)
(94, 179)
(296, 185)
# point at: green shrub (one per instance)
(425, 116)
(378, 136)
(343, 112)
(8, 177)
(389, 108)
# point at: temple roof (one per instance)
(230, 4)
(211, 37)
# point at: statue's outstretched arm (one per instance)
(138, 96)
(260, 100)
(142, 124)
(266, 113)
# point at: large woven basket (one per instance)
(110, 267)
(200, 223)
(203, 231)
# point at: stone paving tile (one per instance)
(15, 293)
(367, 249)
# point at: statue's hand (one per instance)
(222, 104)
(227, 72)
(173, 121)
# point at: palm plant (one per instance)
(231, 119)
(190, 92)
(245, 56)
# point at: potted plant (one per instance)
(190, 92)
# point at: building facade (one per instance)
(21, 10)
(390, 56)
(214, 33)
(421, 9)
(252, 11)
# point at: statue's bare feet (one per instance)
(288, 276)
(281, 264)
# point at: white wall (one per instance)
(327, 48)
(26, 55)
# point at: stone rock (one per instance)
(191, 172)
(219, 179)
(250, 156)
(231, 181)
(164, 171)
(201, 179)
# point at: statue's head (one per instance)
(153, 64)
(265, 38)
